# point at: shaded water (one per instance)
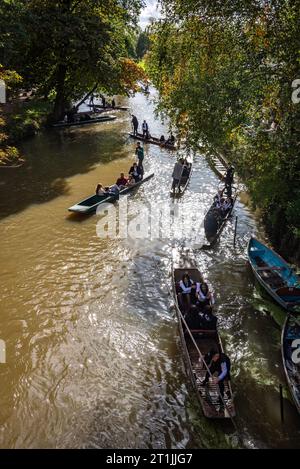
(92, 345)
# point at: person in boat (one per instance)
(204, 297)
(226, 206)
(131, 181)
(193, 318)
(139, 151)
(218, 197)
(171, 140)
(229, 176)
(162, 139)
(186, 168)
(218, 363)
(122, 180)
(145, 129)
(135, 124)
(114, 190)
(100, 190)
(113, 103)
(208, 319)
(177, 174)
(103, 101)
(136, 172)
(91, 102)
(187, 291)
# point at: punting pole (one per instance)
(281, 403)
(235, 228)
(208, 370)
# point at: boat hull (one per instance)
(274, 274)
(290, 341)
(90, 204)
(95, 120)
(153, 140)
(206, 340)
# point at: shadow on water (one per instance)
(51, 158)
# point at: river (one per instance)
(93, 356)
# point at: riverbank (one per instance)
(20, 120)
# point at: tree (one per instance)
(143, 44)
(9, 155)
(65, 48)
(224, 71)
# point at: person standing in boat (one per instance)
(139, 151)
(177, 174)
(135, 124)
(91, 103)
(113, 103)
(103, 101)
(229, 177)
(218, 363)
(145, 129)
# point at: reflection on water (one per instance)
(93, 352)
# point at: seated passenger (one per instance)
(218, 197)
(162, 139)
(100, 190)
(227, 204)
(131, 181)
(114, 190)
(122, 180)
(208, 319)
(136, 172)
(171, 140)
(187, 291)
(193, 319)
(204, 295)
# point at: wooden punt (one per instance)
(290, 350)
(274, 274)
(92, 120)
(108, 108)
(208, 396)
(214, 224)
(184, 181)
(154, 141)
(91, 203)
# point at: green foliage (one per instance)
(224, 71)
(68, 46)
(142, 45)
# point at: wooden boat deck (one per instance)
(206, 340)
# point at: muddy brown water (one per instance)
(93, 357)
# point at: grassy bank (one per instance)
(19, 121)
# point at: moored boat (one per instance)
(91, 120)
(108, 108)
(91, 203)
(290, 350)
(153, 140)
(274, 274)
(206, 340)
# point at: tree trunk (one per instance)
(60, 104)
